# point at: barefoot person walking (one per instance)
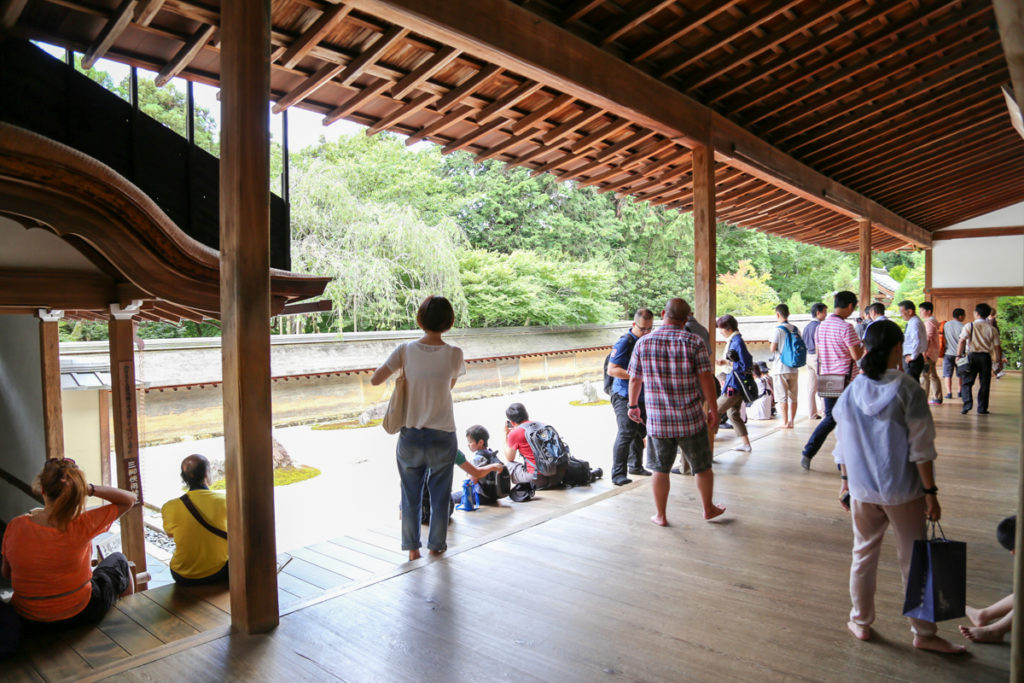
(674, 369)
(885, 448)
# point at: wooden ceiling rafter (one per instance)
(809, 73)
(119, 20)
(954, 84)
(795, 56)
(794, 27)
(839, 84)
(637, 18)
(681, 27)
(184, 57)
(763, 15)
(875, 105)
(938, 122)
(311, 37)
(430, 66)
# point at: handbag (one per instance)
(963, 361)
(747, 386)
(937, 582)
(830, 386)
(394, 416)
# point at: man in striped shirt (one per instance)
(674, 369)
(838, 348)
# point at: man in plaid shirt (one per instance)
(674, 369)
(838, 348)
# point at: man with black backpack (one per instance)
(629, 443)
(544, 466)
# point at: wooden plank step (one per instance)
(366, 562)
(189, 604)
(331, 563)
(127, 633)
(314, 574)
(94, 646)
(372, 549)
(154, 618)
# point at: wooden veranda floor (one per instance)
(762, 593)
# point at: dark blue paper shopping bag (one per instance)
(937, 583)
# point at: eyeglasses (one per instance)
(645, 329)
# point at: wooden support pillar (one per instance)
(705, 270)
(928, 274)
(49, 358)
(126, 429)
(866, 287)
(245, 311)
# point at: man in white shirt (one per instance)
(783, 376)
(915, 340)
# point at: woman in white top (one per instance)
(427, 443)
(885, 448)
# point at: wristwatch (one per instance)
(632, 407)
(930, 492)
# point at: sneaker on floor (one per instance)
(982, 412)
(934, 403)
(805, 462)
(744, 448)
(640, 472)
(622, 481)
(949, 395)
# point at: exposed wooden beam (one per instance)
(185, 55)
(600, 134)
(1010, 18)
(309, 39)
(55, 289)
(450, 119)
(434, 63)
(245, 312)
(578, 9)
(146, 11)
(556, 105)
(682, 26)
(561, 131)
(111, 31)
(121, 330)
(346, 73)
(705, 226)
(474, 135)
(507, 101)
(49, 361)
(402, 113)
(468, 87)
(511, 36)
(1007, 231)
(372, 89)
(637, 19)
(10, 10)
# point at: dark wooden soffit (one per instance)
(148, 257)
(849, 108)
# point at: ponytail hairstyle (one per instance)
(63, 483)
(880, 338)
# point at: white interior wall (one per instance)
(981, 261)
(21, 410)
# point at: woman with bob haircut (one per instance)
(732, 398)
(885, 449)
(427, 443)
(47, 552)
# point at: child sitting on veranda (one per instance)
(992, 623)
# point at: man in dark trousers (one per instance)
(629, 443)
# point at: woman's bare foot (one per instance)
(938, 644)
(981, 634)
(414, 555)
(436, 553)
(715, 511)
(659, 520)
(862, 632)
(974, 614)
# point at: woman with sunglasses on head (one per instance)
(885, 449)
(47, 552)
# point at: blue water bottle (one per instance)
(470, 501)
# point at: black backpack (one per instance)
(496, 485)
(549, 451)
(608, 379)
(578, 473)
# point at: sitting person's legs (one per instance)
(220, 576)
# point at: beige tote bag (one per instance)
(394, 416)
